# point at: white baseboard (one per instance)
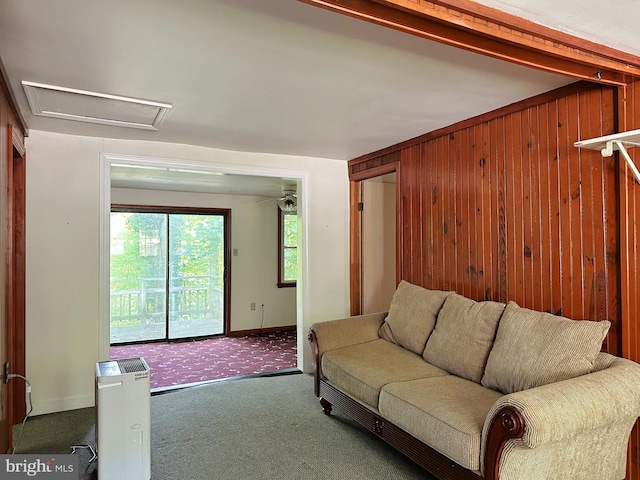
(62, 404)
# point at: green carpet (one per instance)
(256, 428)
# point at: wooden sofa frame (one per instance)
(507, 424)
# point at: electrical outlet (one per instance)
(5, 375)
(253, 305)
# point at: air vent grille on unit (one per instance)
(85, 106)
(131, 365)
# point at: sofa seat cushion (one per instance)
(362, 370)
(447, 413)
(412, 316)
(536, 348)
(463, 336)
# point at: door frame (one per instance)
(15, 276)
(299, 176)
(355, 223)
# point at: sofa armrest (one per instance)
(348, 331)
(334, 334)
(564, 410)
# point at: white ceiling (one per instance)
(276, 76)
(614, 23)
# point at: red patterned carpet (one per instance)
(182, 363)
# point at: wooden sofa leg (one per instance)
(326, 406)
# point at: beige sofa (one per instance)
(474, 390)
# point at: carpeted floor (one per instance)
(181, 363)
(254, 429)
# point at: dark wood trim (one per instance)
(262, 331)
(122, 207)
(508, 424)
(15, 274)
(358, 167)
(543, 98)
(399, 229)
(355, 247)
(315, 356)
(374, 172)
(503, 36)
(515, 29)
(226, 214)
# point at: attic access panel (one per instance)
(93, 107)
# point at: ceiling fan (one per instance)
(289, 200)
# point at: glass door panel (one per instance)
(196, 275)
(138, 277)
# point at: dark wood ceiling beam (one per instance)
(465, 24)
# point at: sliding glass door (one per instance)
(196, 275)
(167, 275)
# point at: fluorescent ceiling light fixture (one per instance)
(199, 172)
(93, 107)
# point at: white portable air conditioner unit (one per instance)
(123, 419)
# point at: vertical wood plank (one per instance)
(576, 306)
(486, 214)
(473, 232)
(448, 224)
(501, 164)
(555, 208)
(589, 166)
(461, 218)
(610, 222)
(564, 227)
(545, 211)
(529, 246)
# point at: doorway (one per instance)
(169, 275)
(374, 205)
(378, 242)
(158, 178)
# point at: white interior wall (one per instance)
(378, 246)
(63, 253)
(254, 234)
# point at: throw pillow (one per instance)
(412, 316)
(535, 348)
(463, 336)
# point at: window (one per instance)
(287, 248)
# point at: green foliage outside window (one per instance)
(289, 247)
(138, 247)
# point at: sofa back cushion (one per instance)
(412, 316)
(463, 336)
(535, 348)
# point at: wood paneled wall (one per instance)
(504, 207)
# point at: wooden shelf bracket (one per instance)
(615, 142)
